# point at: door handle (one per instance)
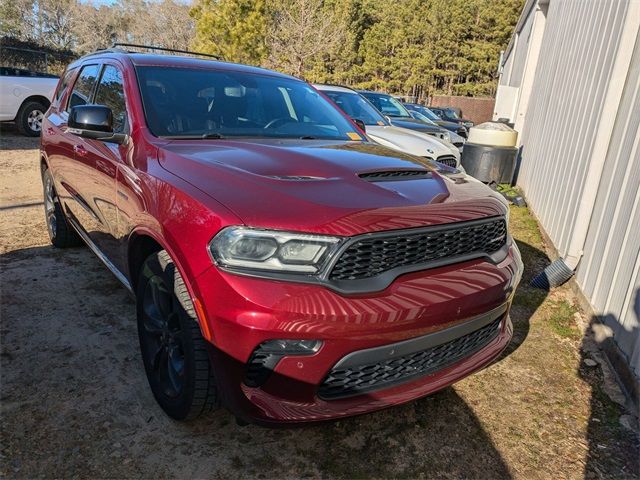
(80, 150)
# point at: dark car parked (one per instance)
(399, 116)
(283, 265)
(451, 115)
(451, 126)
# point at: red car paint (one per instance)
(181, 193)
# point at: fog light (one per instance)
(265, 358)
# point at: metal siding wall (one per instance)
(578, 50)
(608, 272)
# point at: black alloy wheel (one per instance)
(175, 355)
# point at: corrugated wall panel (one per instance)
(608, 271)
(579, 46)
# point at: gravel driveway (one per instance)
(75, 403)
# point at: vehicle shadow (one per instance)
(11, 139)
(69, 339)
(609, 404)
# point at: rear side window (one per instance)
(64, 84)
(111, 94)
(81, 93)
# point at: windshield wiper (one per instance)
(212, 135)
(308, 137)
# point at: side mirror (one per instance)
(360, 124)
(94, 121)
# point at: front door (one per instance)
(105, 159)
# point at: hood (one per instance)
(410, 141)
(414, 124)
(318, 186)
(449, 125)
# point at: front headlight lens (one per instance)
(246, 248)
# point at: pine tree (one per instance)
(233, 29)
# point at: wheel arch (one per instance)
(34, 98)
(143, 243)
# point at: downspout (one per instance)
(562, 269)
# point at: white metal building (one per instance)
(570, 83)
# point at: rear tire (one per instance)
(61, 234)
(29, 118)
(175, 355)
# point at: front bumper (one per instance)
(243, 312)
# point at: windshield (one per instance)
(387, 105)
(451, 113)
(193, 103)
(356, 106)
(427, 113)
(423, 118)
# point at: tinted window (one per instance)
(64, 84)
(184, 102)
(387, 105)
(356, 107)
(81, 93)
(111, 94)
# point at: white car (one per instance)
(25, 97)
(379, 130)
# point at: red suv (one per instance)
(283, 265)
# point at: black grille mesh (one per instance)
(387, 372)
(372, 256)
(448, 160)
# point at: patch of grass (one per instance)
(560, 318)
(507, 189)
(524, 227)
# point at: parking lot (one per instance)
(75, 402)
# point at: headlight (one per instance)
(446, 136)
(247, 248)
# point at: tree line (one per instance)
(411, 47)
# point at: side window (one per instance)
(64, 84)
(81, 93)
(111, 94)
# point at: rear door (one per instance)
(72, 169)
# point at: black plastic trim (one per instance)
(413, 345)
(407, 347)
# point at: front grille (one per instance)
(389, 175)
(448, 160)
(463, 132)
(355, 380)
(375, 254)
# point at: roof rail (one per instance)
(116, 47)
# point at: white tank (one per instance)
(493, 134)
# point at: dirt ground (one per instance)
(75, 402)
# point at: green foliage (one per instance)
(234, 29)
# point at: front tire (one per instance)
(29, 118)
(175, 354)
(61, 234)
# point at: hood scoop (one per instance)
(394, 175)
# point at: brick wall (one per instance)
(476, 109)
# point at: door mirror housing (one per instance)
(94, 121)
(360, 124)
